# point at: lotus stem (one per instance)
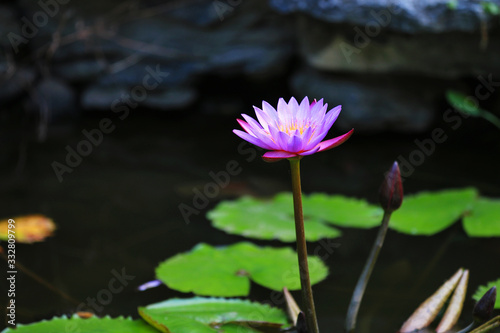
(359, 291)
(305, 282)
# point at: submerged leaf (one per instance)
(428, 310)
(454, 309)
(226, 271)
(428, 213)
(273, 219)
(28, 228)
(481, 290)
(211, 315)
(484, 218)
(89, 325)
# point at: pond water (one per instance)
(117, 211)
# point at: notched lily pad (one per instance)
(266, 219)
(481, 290)
(226, 271)
(342, 211)
(273, 219)
(210, 315)
(428, 213)
(90, 325)
(484, 218)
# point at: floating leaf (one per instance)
(342, 211)
(428, 310)
(271, 219)
(211, 315)
(484, 218)
(428, 213)
(226, 271)
(27, 229)
(90, 325)
(481, 290)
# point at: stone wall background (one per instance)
(389, 61)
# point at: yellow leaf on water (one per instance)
(27, 229)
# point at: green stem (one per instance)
(307, 296)
(488, 326)
(359, 291)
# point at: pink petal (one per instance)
(310, 152)
(246, 127)
(263, 118)
(283, 140)
(269, 110)
(253, 140)
(277, 155)
(252, 122)
(332, 143)
(295, 144)
(331, 116)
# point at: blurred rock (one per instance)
(55, 98)
(413, 17)
(373, 103)
(446, 55)
(111, 97)
(14, 82)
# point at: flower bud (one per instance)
(483, 311)
(301, 323)
(391, 192)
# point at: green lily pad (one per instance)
(226, 271)
(342, 211)
(481, 290)
(210, 315)
(271, 219)
(484, 218)
(90, 325)
(428, 213)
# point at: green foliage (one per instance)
(273, 219)
(463, 103)
(343, 211)
(484, 219)
(481, 290)
(226, 271)
(90, 325)
(468, 106)
(428, 213)
(490, 7)
(210, 315)
(425, 213)
(452, 4)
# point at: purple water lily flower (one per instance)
(293, 130)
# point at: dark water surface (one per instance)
(118, 210)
